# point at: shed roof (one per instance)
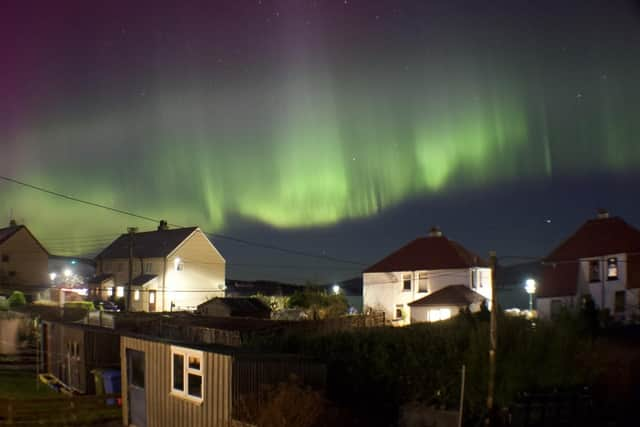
(455, 295)
(428, 253)
(149, 244)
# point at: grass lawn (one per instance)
(22, 385)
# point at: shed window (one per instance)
(187, 378)
(612, 269)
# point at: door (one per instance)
(152, 300)
(136, 388)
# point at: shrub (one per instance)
(17, 299)
(4, 304)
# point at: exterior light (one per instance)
(67, 272)
(52, 276)
(530, 287)
(336, 289)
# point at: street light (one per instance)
(67, 272)
(53, 276)
(336, 289)
(530, 287)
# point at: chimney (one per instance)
(603, 214)
(13, 223)
(163, 225)
(435, 232)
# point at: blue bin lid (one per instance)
(111, 373)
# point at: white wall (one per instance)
(384, 291)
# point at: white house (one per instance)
(173, 269)
(405, 284)
(602, 260)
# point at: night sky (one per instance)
(344, 128)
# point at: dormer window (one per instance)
(612, 269)
(594, 271)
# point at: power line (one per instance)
(155, 220)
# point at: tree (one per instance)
(17, 299)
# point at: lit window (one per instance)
(152, 297)
(120, 291)
(136, 295)
(612, 269)
(147, 267)
(406, 282)
(594, 271)
(422, 282)
(110, 291)
(399, 311)
(186, 373)
(437, 314)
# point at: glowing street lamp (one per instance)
(530, 287)
(336, 289)
(53, 276)
(67, 272)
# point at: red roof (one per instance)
(558, 280)
(428, 253)
(598, 237)
(455, 295)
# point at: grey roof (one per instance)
(100, 278)
(5, 233)
(455, 295)
(149, 244)
(143, 279)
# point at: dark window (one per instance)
(398, 312)
(556, 307)
(136, 368)
(178, 372)
(612, 269)
(406, 282)
(620, 301)
(594, 271)
(474, 279)
(5, 258)
(195, 385)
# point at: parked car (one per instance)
(106, 306)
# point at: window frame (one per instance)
(186, 370)
(612, 262)
(423, 277)
(148, 267)
(399, 309)
(404, 282)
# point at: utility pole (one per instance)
(127, 303)
(493, 337)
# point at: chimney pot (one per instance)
(603, 214)
(13, 223)
(435, 232)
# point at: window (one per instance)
(437, 314)
(612, 269)
(12, 274)
(474, 279)
(152, 297)
(180, 266)
(186, 373)
(399, 311)
(147, 267)
(110, 291)
(136, 295)
(120, 291)
(594, 271)
(406, 282)
(556, 307)
(422, 282)
(5, 258)
(620, 302)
